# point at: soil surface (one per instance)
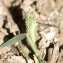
(49, 39)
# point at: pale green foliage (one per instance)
(31, 25)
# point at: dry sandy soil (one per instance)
(49, 39)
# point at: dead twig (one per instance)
(55, 53)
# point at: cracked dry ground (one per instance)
(49, 40)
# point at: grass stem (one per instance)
(23, 52)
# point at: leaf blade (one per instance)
(49, 25)
(31, 25)
(34, 48)
(13, 40)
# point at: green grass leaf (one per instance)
(32, 45)
(13, 40)
(49, 25)
(34, 48)
(31, 25)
